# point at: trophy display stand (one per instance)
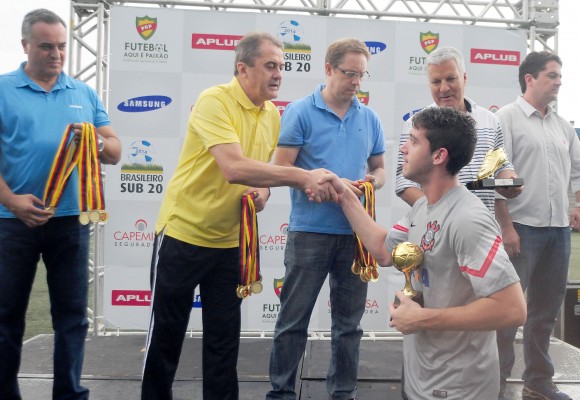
(494, 160)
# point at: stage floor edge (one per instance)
(113, 364)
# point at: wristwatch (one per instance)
(100, 144)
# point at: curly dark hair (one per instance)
(446, 127)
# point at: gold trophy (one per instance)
(494, 160)
(407, 257)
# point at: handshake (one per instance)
(323, 185)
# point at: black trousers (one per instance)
(176, 269)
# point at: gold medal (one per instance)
(94, 216)
(374, 273)
(242, 291)
(364, 276)
(84, 218)
(256, 287)
(355, 268)
(104, 216)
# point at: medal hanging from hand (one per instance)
(83, 155)
(250, 278)
(364, 265)
(91, 194)
(65, 161)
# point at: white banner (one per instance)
(161, 59)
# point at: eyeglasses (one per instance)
(352, 74)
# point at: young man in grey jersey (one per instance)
(469, 286)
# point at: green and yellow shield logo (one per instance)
(429, 41)
(146, 26)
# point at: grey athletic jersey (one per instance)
(464, 260)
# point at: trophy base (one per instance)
(418, 298)
(491, 183)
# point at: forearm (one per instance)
(380, 175)
(111, 153)
(504, 309)
(5, 193)
(251, 172)
(502, 215)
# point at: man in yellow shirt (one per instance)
(232, 133)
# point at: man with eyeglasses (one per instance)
(327, 129)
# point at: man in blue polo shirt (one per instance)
(38, 102)
(328, 129)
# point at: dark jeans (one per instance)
(309, 259)
(543, 270)
(177, 268)
(63, 243)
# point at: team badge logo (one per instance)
(278, 286)
(363, 97)
(429, 41)
(428, 239)
(146, 26)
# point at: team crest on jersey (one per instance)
(428, 239)
(146, 26)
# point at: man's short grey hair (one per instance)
(446, 53)
(248, 48)
(39, 15)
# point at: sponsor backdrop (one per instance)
(161, 59)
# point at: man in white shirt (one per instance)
(544, 148)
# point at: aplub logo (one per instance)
(375, 47)
(144, 103)
(146, 26)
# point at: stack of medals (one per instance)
(250, 278)
(364, 264)
(84, 156)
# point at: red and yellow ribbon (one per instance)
(364, 263)
(64, 163)
(82, 154)
(250, 278)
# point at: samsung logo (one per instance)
(410, 114)
(375, 47)
(144, 103)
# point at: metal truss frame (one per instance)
(89, 47)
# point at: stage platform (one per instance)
(112, 368)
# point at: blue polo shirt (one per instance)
(342, 146)
(32, 123)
